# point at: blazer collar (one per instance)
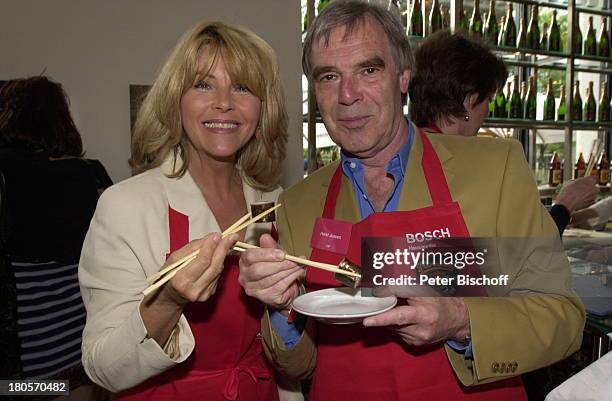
(184, 196)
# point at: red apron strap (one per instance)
(178, 229)
(329, 211)
(434, 175)
(432, 168)
(274, 232)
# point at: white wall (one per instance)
(96, 49)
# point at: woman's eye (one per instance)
(202, 85)
(242, 88)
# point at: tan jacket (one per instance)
(126, 242)
(498, 197)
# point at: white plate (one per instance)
(341, 305)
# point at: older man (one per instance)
(359, 61)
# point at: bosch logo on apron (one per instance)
(428, 235)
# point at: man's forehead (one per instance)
(363, 31)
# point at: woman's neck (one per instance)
(213, 176)
(449, 127)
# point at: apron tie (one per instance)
(232, 385)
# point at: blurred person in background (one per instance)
(49, 194)
(455, 78)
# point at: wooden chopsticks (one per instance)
(163, 276)
(596, 151)
(241, 247)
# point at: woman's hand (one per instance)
(196, 282)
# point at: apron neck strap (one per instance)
(434, 174)
(329, 210)
(432, 168)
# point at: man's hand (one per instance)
(426, 320)
(267, 276)
(578, 193)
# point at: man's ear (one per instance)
(404, 80)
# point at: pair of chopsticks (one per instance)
(596, 150)
(163, 276)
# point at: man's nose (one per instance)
(350, 91)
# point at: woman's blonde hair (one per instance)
(250, 61)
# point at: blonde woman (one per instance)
(209, 140)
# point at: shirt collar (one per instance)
(399, 159)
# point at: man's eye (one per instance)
(327, 77)
(371, 70)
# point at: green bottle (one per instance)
(464, 23)
(523, 97)
(509, 39)
(492, 28)
(590, 108)
(533, 32)
(603, 48)
(435, 18)
(562, 110)
(416, 19)
(549, 102)
(577, 41)
(522, 35)
(544, 40)
(491, 106)
(508, 95)
(445, 18)
(476, 21)
(554, 35)
(531, 104)
(603, 113)
(499, 109)
(516, 109)
(577, 103)
(590, 43)
(502, 27)
(322, 4)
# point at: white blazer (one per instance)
(128, 240)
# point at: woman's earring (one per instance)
(467, 117)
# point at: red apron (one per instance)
(227, 363)
(357, 363)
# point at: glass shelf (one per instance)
(543, 124)
(592, 69)
(519, 123)
(596, 11)
(514, 50)
(591, 126)
(541, 64)
(592, 58)
(562, 4)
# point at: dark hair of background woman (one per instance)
(450, 67)
(34, 115)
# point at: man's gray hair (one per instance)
(351, 14)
